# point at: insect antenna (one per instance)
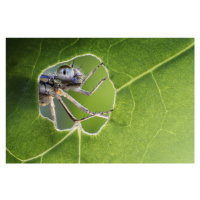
(80, 67)
(72, 63)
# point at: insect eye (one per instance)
(65, 73)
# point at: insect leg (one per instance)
(53, 113)
(72, 117)
(77, 104)
(90, 74)
(85, 118)
(90, 93)
(66, 109)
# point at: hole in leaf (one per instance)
(101, 100)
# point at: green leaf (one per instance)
(153, 117)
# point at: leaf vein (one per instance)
(79, 152)
(109, 51)
(160, 129)
(45, 152)
(27, 84)
(66, 48)
(159, 91)
(133, 105)
(153, 138)
(156, 66)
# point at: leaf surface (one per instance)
(153, 117)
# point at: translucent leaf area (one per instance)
(153, 117)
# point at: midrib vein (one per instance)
(155, 67)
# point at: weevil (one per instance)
(67, 78)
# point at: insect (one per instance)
(67, 77)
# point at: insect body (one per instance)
(66, 78)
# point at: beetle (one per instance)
(67, 78)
